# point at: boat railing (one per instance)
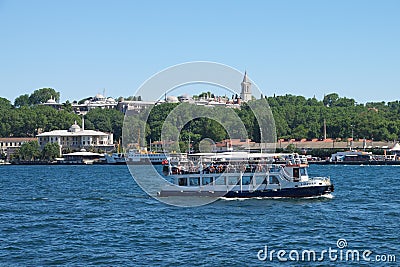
(212, 168)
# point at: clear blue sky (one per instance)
(298, 47)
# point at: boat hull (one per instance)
(297, 192)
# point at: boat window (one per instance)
(274, 168)
(296, 172)
(220, 180)
(303, 171)
(194, 181)
(233, 180)
(207, 180)
(261, 180)
(246, 180)
(182, 182)
(273, 179)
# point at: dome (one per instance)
(51, 101)
(74, 128)
(99, 97)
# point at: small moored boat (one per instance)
(115, 158)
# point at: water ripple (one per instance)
(98, 216)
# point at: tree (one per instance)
(300, 132)
(22, 100)
(105, 120)
(29, 151)
(82, 101)
(40, 96)
(345, 102)
(51, 151)
(330, 99)
(129, 98)
(67, 106)
(5, 103)
(6, 112)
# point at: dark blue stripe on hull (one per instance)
(287, 192)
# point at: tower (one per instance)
(245, 95)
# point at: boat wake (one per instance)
(327, 196)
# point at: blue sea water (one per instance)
(98, 216)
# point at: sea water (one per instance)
(98, 216)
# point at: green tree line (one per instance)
(27, 118)
(298, 117)
(31, 151)
(295, 117)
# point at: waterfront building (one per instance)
(81, 157)
(233, 145)
(160, 146)
(76, 138)
(10, 145)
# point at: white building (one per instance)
(52, 103)
(134, 106)
(245, 94)
(99, 101)
(77, 138)
(10, 145)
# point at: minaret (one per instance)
(83, 123)
(245, 95)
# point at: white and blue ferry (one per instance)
(244, 175)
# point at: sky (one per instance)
(309, 48)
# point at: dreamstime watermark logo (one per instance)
(339, 253)
(165, 86)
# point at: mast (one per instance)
(139, 139)
(189, 143)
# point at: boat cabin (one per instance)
(298, 172)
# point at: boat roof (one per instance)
(242, 155)
(396, 147)
(83, 153)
